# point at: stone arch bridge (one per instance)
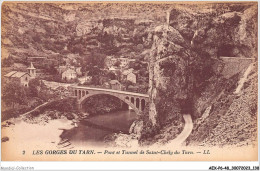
(136, 101)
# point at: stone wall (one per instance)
(234, 65)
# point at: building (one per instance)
(69, 74)
(128, 75)
(124, 62)
(78, 71)
(112, 69)
(32, 70)
(22, 77)
(106, 85)
(116, 85)
(61, 69)
(131, 77)
(85, 79)
(110, 61)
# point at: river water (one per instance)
(64, 134)
(91, 131)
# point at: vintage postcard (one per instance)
(129, 81)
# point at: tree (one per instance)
(94, 64)
(34, 87)
(14, 93)
(7, 62)
(127, 84)
(111, 75)
(137, 65)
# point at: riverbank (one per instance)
(24, 135)
(53, 129)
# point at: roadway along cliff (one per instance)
(178, 141)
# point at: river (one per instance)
(91, 131)
(64, 134)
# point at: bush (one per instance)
(62, 105)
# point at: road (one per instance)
(34, 109)
(185, 133)
(182, 136)
(111, 90)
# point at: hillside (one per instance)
(186, 75)
(56, 30)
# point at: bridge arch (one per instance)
(142, 104)
(137, 104)
(83, 99)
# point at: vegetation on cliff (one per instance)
(184, 77)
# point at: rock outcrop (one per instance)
(183, 76)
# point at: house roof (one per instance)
(70, 71)
(126, 72)
(19, 74)
(16, 74)
(10, 74)
(84, 77)
(132, 74)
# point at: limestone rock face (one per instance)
(219, 29)
(136, 128)
(183, 55)
(169, 84)
(168, 60)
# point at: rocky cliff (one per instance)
(184, 73)
(58, 30)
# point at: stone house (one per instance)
(78, 70)
(128, 75)
(22, 77)
(116, 85)
(61, 69)
(124, 62)
(85, 79)
(69, 74)
(110, 61)
(131, 77)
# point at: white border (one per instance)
(128, 165)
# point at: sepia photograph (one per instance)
(129, 81)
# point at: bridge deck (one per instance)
(111, 90)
